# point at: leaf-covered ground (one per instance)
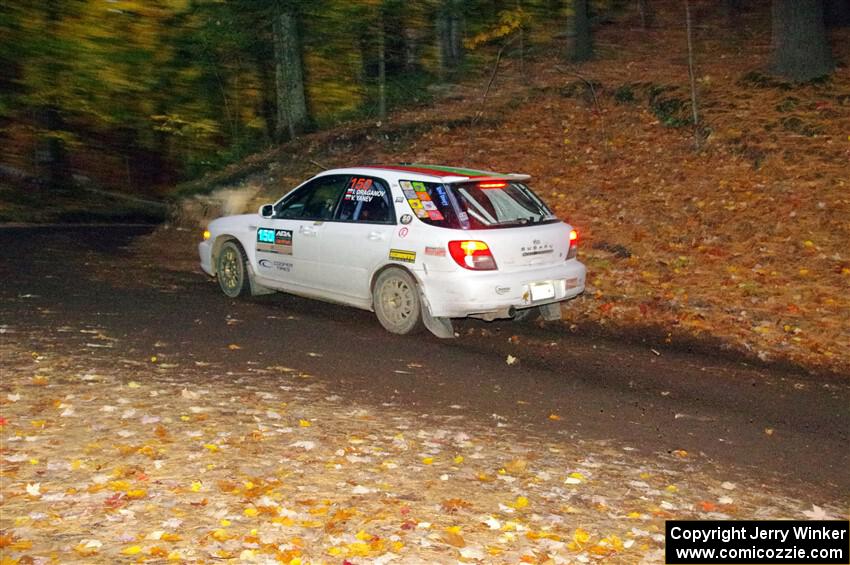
(110, 459)
(742, 241)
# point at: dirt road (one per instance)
(146, 415)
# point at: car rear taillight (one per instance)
(572, 252)
(474, 255)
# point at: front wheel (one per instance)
(395, 298)
(232, 270)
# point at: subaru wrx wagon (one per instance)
(417, 244)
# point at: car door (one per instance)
(358, 240)
(288, 245)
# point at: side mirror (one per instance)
(267, 210)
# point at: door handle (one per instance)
(304, 230)
(375, 236)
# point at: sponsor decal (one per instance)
(405, 185)
(274, 241)
(415, 203)
(361, 190)
(406, 219)
(503, 289)
(402, 255)
(284, 266)
(463, 217)
(399, 198)
(410, 194)
(420, 213)
(402, 233)
(418, 186)
(435, 251)
(283, 237)
(435, 215)
(423, 196)
(428, 205)
(442, 196)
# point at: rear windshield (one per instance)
(476, 205)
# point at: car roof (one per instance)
(440, 172)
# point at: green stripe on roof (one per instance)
(457, 171)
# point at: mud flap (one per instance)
(256, 288)
(440, 327)
(551, 312)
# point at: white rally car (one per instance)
(416, 244)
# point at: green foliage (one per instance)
(670, 109)
(509, 23)
(625, 94)
(144, 93)
(760, 80)
(788, 104)
(795, 124)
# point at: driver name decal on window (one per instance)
(274, 241)
(361, 190)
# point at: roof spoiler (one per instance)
(453, 179)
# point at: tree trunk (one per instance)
(582, 38)
(292, 117)
(53, 154)
(382, 70)
(647, 16)
(449, 26)
(267, 100)
(456, 35)
(734, 7)
(411, 49)
(733, 15)
(837, 13)
(691, 70)
(800, 48)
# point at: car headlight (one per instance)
(206, 234)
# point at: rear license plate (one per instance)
(542, 290)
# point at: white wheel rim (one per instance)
(230, 270)
(398, 301)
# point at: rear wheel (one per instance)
(232, 270)
(395, 298)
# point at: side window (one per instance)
(432, 203)
(316, 200)
(366, 200)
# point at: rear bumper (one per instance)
(205, 252)
(460, 294)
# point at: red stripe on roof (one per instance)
(421, 171)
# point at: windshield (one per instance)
(476, 205)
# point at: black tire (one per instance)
(232, 270)
(395, 298)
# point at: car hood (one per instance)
(230, 222)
